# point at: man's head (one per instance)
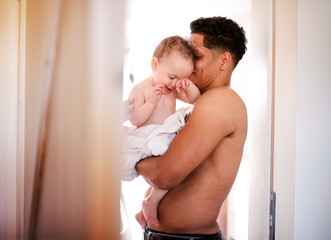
(221, 34)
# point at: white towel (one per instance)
(149, 140)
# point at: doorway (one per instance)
(147, 23)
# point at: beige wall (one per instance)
(41, 27)
(9, 39)
(60, 92)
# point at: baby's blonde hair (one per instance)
(172, 44)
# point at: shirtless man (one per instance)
(202, 162)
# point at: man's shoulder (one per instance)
(221, 102)
(221, 96)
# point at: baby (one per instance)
(153, 112)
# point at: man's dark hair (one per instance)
(222, 34)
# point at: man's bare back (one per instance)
(193, 205)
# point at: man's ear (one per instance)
(225, 60)
(154, 63)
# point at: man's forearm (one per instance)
(149, 169)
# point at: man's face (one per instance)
(205, 70)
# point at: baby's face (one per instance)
(170, 69)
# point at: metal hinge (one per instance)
(272, 216)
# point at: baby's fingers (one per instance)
(178, 86)
(187, 82)
(184, 84)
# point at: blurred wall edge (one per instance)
(60, 97)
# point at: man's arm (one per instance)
(214, 117)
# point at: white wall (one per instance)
(312, 217)
(149, 21)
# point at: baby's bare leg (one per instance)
(140, 216)
(151, 203)
(141, 219)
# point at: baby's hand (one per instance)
(156, 94)
(182, 84)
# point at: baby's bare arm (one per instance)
(142, 107)
(187, 91)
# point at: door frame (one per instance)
(273, 168)
(284, 114)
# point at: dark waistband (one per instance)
(150, 234)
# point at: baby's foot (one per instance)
(149, 210)
(141, 219)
